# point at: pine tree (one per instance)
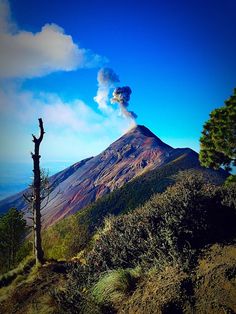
(12, 233)
(218, 141)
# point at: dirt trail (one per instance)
(34, 295)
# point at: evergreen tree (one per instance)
(218, 141)
(12, 233)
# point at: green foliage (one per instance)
(113, 287)
(168, 228)
(12, 233)
(65, 239)
(231, 179)
(90, 293)
(76, 298)
(229, 195)
(58, 240)
(218, 141)
(167, 231)
(25, 250)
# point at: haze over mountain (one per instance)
(136, 152)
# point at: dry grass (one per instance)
(22, 269)
(210, 288)
(32, 293)
(215, 287)
(157, 291)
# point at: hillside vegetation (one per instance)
(69, 236)
(175, 253)
(161, 257)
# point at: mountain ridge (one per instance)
(137, 151)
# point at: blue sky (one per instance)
(178, 57)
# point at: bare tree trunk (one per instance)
(37, 196)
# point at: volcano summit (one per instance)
(136, 152)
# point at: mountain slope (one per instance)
(161, 241)
(126, 158)
(17, 200)
(135, 153)
(80, 227)
(138, 191)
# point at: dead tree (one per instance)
(36, 200)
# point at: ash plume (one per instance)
(121, 95)
(106, 79)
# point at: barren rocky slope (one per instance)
(136, 152)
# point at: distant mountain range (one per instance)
(135, 153)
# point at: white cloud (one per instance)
(25, 54)
(73, 130)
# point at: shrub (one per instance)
(169, 228)
(70, 235)
(231, 180)
(66, 239)
(76, 297)
(157, 291)
(166, 231)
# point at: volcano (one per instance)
(136, 152)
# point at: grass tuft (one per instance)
(114, 286)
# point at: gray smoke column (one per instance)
(121, 95)
(106, 79)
